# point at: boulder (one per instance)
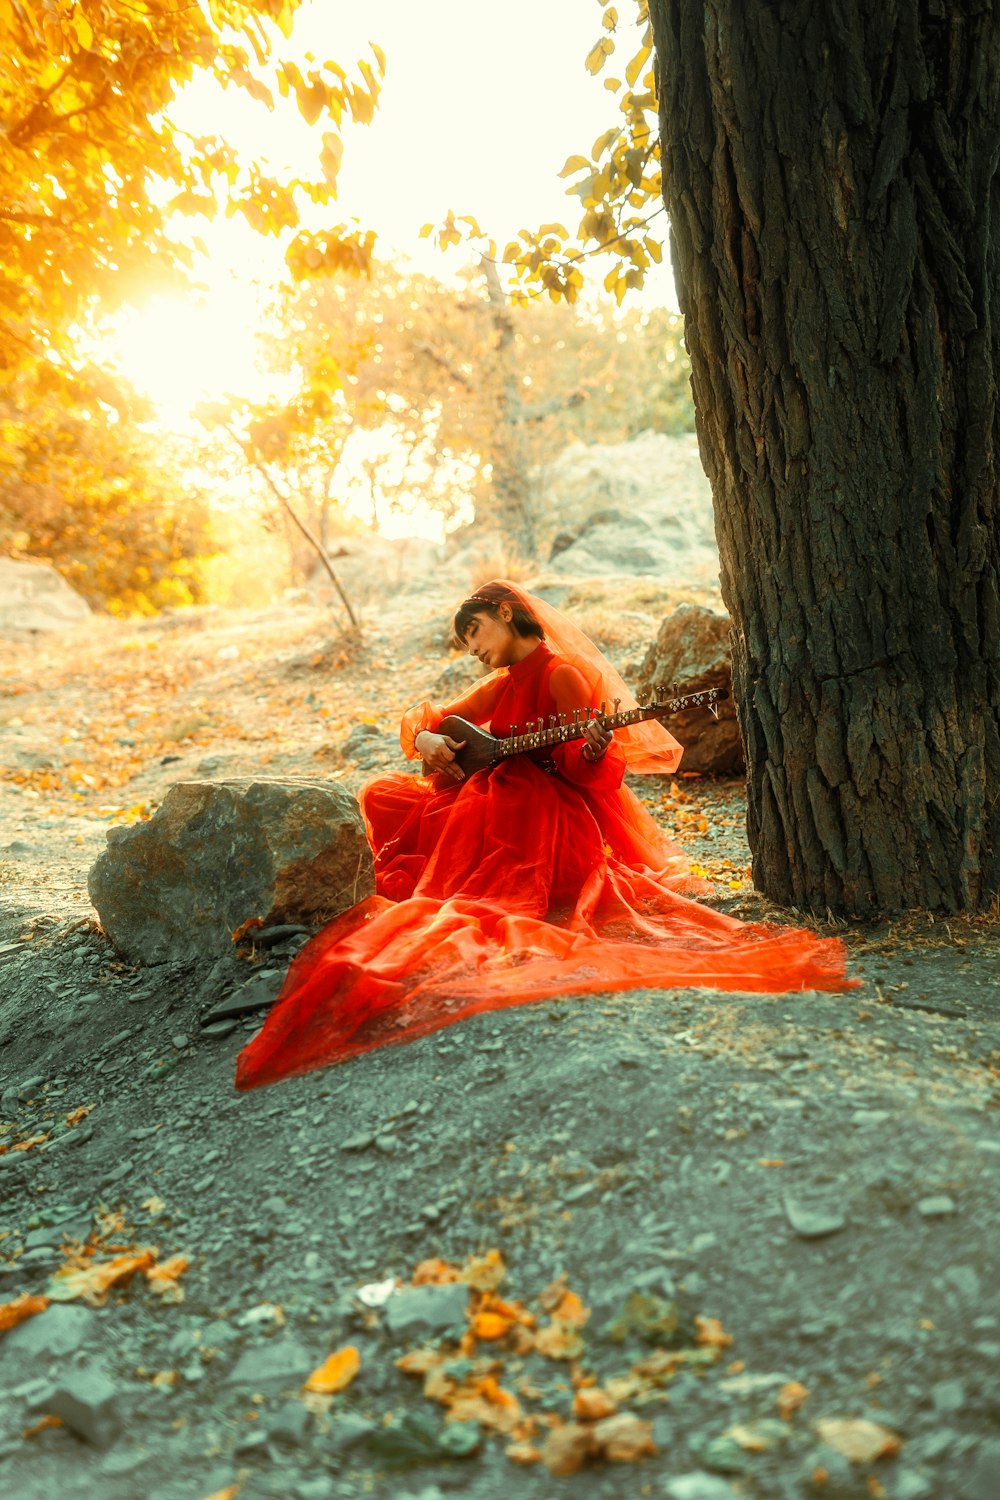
(34, 596)
(214, 855)
(640, 508)
(691, 653)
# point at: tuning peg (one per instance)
(617, 702)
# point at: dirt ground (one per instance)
(749, 1244)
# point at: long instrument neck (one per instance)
(560, 729)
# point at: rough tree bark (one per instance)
(830, 171)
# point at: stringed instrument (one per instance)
(483, 750)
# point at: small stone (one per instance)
(347, 1430)
(86, 1402)
(812, 1223)
(981, 1480)
(910, 1485)
(388, 1144)
(29, 1088)
(290, 1424)
(870, 1116)
(203, 1184)
(359, 1142)
(219, 1029)
(279, 1362)
(180, 1040)
(966, 1283)
(427, 1309)
(940, 1206)
(59, 1331)
(948, 1397)
(703, 1242)
(698, 1486)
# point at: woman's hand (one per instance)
(438, 752)
(596, 740)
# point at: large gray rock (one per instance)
(691, 653)
(34, 596)
(215, 855)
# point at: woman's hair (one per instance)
(487, 600)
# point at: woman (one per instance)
(542, 875)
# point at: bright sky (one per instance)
(480, 108)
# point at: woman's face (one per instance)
(493, 641)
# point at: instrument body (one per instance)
(483, 750)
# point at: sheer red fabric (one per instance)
(526, 881)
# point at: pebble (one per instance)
(29, 1088)
(219, 1028)
(427, 1309)
(981, 1480)
(812, 1223)
(279, 1362)
(289, 1424)
(60, 1331)
(359, 1142)
(948, 1397)
(940, 1206)
(909, 1485)
(387, 1144)
(180, 1040)
(87, 1403)
(698, 1486)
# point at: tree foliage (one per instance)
(618, 185)
(89, 490)
(444, 394)
(95, 171)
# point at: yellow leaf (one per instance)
(594, 62)
(857, 1439)
(379, 56)
(490, 1325)
(84, 30)
(574, 164)
(709, 1333)
(336, 1372)
(610, 18)
(790, 1398)
(162, 1277)
(25, 1306)
(93, 1282)
(635, 67)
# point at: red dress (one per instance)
(521, 882)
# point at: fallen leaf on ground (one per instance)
(80, 1113)
(229, 1493)
(559, 1341)
(567, 1448)
(93, 1282)
(858, 1439)
(154, 1205)
(25, 1306)
(33, 1140)
(336, 1372)
(624, 1437)
(162, 1277)
(790, 1398)
(484, 1272)
(523, 1453)
(49, 1420)
(491, 1325)
(591, 1403)
(758, 1437)
(710, 1334)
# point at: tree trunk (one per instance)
(830, 171)
(511, 480)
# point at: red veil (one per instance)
(518, 884)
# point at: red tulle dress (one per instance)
(542, 876)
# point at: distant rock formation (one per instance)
(34, 596)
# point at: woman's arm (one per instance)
(476, 704)
(596, 762)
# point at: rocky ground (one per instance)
(780, 1213)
